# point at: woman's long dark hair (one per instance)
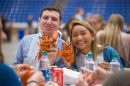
(1, 57)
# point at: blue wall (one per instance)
(103, 7)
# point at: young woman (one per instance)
(114, 35)
(67, 29)
(97, 22)
(84, 41)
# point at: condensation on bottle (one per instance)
(114, 64)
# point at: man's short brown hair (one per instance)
(51, 8)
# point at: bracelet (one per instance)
(32, 81)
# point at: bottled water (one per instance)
(44, 65)
(89, 64)
(85, 58)
(114, 64)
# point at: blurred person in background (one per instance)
(6, 26)
(101, 77)
(79, 13)
(3, 36)
(3, 21)
(125, 29)
(88, 17)
(97, 22)
(121, 78)
(114, 35)
(98, 76)
(30, 29)
(84, 41)
(128, 28)
(67, 29)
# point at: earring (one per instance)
(92, 40)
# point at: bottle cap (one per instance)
(90, 55)
(44, 52)
(114, 55)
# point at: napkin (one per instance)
(70, 76)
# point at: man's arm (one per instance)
(18, 59)
(23, 49)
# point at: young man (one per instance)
(49, 20)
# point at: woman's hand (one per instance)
(104, 65)
(67, 64)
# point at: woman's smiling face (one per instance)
(82, 37)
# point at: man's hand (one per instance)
(52, 53)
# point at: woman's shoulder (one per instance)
(5, 69)
(125, 36)
(99, 33)
(109, 48)
(8, 75)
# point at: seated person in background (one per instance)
(49, 20)
(128, 28)
(3, 36)
(88, 17)
(114, 35)
(67, 29)
(79, 13)
(97, 22)
(84, 41)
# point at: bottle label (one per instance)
(89, 66)
(45, 74)
(114, 67)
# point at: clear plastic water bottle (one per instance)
(114, 64)
(89, 64)
(44, 65)
(85, 58)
